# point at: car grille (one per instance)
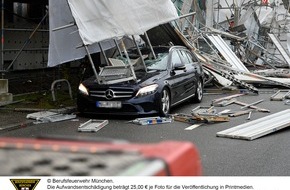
(125, 110)
(112, 93)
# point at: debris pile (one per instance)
(240, 44)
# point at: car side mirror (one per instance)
(179, 66)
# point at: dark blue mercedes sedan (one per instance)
(174, 75)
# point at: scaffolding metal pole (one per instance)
(128, 58)
(139, 52)
(92, 64)
(118, 47)
(209, 14)
(104, 54)
(149, 43)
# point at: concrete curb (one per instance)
(16, 126)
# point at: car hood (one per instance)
(150, 77)
(143, 79)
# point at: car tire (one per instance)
(165, 103)
(198, 92)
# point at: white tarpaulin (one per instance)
(64, 43)
(99, 20)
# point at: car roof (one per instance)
(161, 49)
(177, 47)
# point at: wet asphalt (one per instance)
(264, 156)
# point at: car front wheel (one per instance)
(164, 102)
(198, 92)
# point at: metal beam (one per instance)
(149, 43)
(139, 52)
(209, 14)
(259, 127)
(281, 49)
(92, 64)
(227, 53)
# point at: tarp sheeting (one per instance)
(99, 20)
(64, 44)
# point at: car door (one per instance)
(195, 67)
(190, 74)
(178, 77)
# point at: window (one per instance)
(175, 58)
(191, 57)
(160, 63)
(185, 59)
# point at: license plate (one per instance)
(108, 104)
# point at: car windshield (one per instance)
(160, 63)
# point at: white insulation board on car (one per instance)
(259, 127)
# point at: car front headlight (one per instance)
(83, 89)
(151, 89)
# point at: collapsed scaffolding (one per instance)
(239, 42)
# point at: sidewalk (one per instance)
(16, 118)
(10, 120)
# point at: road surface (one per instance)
(265, 156)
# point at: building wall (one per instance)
(20, 21)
